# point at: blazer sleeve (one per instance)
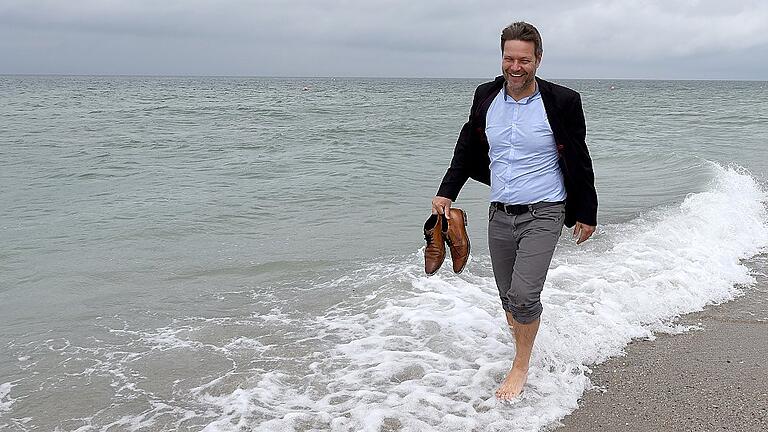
(581, 167)
(461, 165)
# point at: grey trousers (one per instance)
(521, 249)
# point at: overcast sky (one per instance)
(659, 39)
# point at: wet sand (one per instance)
(712, 379)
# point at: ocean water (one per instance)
(236, 254)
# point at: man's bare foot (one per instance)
(513, 384)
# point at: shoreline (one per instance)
(709, 379)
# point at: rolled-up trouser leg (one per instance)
(521, 249)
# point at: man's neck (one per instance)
(528, 91)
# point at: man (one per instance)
(525, 137)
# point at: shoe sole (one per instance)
(469, 246)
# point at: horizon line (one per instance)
(349, 77)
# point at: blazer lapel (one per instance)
(485, 102)
(554, 112)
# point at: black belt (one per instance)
(518, 209)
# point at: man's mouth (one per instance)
(516, 75)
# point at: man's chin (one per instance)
(518, 86)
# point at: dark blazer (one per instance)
(566, 117)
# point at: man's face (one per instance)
(518, 65)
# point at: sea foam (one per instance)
(427, 353)
(5, 400)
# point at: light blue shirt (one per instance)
(523, 153)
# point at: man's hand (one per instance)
(441, 205)
(580, 231)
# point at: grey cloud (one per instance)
(375, 38)
(654, 29)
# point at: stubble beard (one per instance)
(519, 88)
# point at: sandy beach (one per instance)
(711, 379)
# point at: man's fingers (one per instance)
(582, 232)
(579, 233)
(441, 205)
(437, 206)
(585, 232)
(582, 238)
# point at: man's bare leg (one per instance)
(525, 335)
(510, 322)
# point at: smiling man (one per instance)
(525, 137)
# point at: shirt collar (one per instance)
(524, 100)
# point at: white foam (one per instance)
(427, 353)
(407, 352)
(5, 399)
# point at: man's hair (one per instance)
(522, 31)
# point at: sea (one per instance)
(246, 254)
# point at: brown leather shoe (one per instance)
(434, 234)
(457, 239)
